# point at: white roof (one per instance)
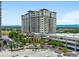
(67, 35)
(5, 37)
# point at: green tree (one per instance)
(11, 46)
(42, 41)
(13, 34)
(56, 43)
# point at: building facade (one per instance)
(41, 21)
(0, 18)
(1, 40)
(71, 41)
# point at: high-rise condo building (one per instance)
(41, 21)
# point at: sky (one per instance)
(67, 12)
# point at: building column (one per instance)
(75, 45)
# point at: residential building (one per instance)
(41, 21)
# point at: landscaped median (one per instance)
(65, 52)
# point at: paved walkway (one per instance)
(29, 53)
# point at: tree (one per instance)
(21, 44)
(42, 41)
(56, 43)
(13, 34)
(11, 45)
